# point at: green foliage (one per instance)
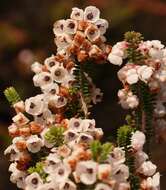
(82, 83)
(124, 140)
(55, 135)
(138, 111)
(73, 108)
(144, 112)
(11, 95)
(100, 151)
(133, 53)
(135, 182)
(73, 91)
(133, 37)
(39, 169)
(124, 136)
(148, 103)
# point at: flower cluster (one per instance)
(150, 68)
(82, 35)
(56, 145)
(144, 168)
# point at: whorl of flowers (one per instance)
(55, 144)
(143, 77)
(82, 35)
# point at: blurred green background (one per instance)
(26, 36)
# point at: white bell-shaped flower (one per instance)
(77, 14)
(71, 26)
(59, 73)
(84, 138)
(33, 181)
(137, 140)
(92, 33)
(50, 62)
(61, 173)
(75, 124)
(102, 186)
(51, 89)
(87, 172)
(59, 27)
(132, 76)
(91, 14)
(34, 143)
(145, 73)
(35, 105)
(114, 59)
(63, 41)
(147, 168)
(70, 135)
(36, 67)
(41, 79)
(51, 163)
(102, 25)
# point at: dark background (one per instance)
(26, 36)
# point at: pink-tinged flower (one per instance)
(86, 171)
(59, 27)
(17, 176)
(104, 171)
(152, 182)
(34, 143)
(115, 59)
(137, 140)
(33, 181)
(132, 76)
(132, 101)
(77, 14)
(36, 67)
(96, 95)
(19, 106)
(102, 186)
(20, 119)
(64, 151)
(145, 73)
(140, 157)
(155, 49)
(13, 130)
(147, 168)
(91, 14)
